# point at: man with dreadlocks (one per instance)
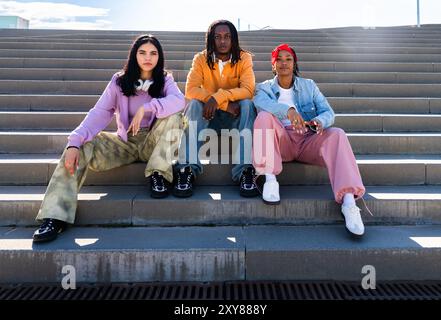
(220, 86)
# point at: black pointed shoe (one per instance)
(248, 187)
(49, 230)
(158, 186)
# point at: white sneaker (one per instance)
(353, 221)
(270, 192)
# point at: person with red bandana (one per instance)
(294, 123)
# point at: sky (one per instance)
(196, 15)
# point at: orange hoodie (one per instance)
(236, 83)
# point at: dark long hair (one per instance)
(132, 72)
(211, 46)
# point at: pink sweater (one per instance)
(113, 101)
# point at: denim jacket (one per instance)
(310, 102)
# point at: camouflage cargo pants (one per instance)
(107, 151)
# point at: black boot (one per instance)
(248, 187)
(184, 183)
(49, 230)
(158, 186)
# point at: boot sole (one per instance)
(159, 195)
(249, 195)
(41, 240)
(183, 195)
(47, 239)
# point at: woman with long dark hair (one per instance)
(147, 104)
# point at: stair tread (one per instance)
(249, 238)
(219, 193)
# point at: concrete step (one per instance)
(415, 45)
(78, 103)
(388, 122)
(328, 89)
(48, 102)
(411, 29)
(399, 31)
(89, 35)
(222, 205)
(178, 55)
(227, 253)
(395, 252)
(385, 105)
(47, 120)
(179, 46)
(333, 77)
(52, 87)
(37, 169)
(255, 39)
(310, 45)
(44, 142)
(408, 29)
(116, 64)
(142, 254)
(361, 122)
(181, 75)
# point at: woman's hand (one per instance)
(71, 159)
(136, 121)
(318, 127)
(297, 121)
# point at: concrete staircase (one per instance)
(385, 86)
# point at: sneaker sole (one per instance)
(271, 203)
(353, 235)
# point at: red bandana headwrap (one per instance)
(279, 48)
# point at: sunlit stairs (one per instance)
(385, 86)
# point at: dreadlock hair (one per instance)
(132, 72)
(211, 46)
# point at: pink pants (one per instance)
(274, 144)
